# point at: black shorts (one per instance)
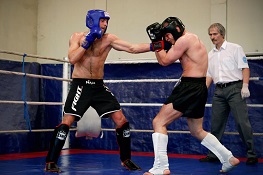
(189, 97)
(89, 92)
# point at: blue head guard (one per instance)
(93, 18)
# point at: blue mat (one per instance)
(109, 164)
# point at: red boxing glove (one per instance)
(157, 46)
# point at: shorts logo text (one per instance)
(90, 82)
(76, 98)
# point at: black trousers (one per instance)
(228, 98)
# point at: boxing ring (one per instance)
(32, 97)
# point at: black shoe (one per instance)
(52, 167)
(130, 165)
(209, 159)
(252, 161)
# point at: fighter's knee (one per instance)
(68, 120)
(63, 125)
(121, 122)
(155, 122)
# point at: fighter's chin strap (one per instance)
(124, 141)
(57, 142)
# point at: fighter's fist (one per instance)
(91, 36)
(96, 32)
(154, 32)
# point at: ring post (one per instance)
(65, 86)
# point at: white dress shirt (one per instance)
(226, 64)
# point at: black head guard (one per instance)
(173, 22)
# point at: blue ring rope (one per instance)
(26, 114)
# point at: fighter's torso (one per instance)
(195, 60)
(91, 65)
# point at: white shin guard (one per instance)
(160, 142)
(212, 143)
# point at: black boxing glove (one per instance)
(154, 32)
(167, 46)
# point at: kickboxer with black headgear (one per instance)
(188, 97)
(157, 31)
(88, 52)
(169, 26)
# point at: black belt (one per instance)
(223, 85)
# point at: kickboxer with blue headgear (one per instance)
(88, 52)
(93, 18)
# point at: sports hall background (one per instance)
(44, 28)
(140, 117)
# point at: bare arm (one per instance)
(121, 45)
(175, 53)
(208, 81)
(75, 51)
(246, 75)
(245, 91)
